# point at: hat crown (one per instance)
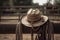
(33, 11)
(33, 15)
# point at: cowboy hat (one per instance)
(34, 18)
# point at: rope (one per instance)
(19, 29)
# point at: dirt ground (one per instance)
(25, 37)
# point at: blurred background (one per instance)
(11, 10)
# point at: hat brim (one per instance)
(38, 23)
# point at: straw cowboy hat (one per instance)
(34, 17)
